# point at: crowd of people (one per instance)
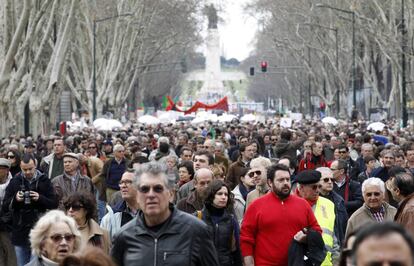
(212, 194)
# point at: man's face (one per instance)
(365, 151)
(266, 139)
(388, 160)
(70, 165)
(281, 184)
(153, 196)
(202, 182)
(248, 153)
(390, 249)
(108, 148)
(28, 169)
(326, 182)
(200, 147)
(273, 139)
(208, 145)
(128, 191)
(343, 154)
(181, 140)
(400, 161)
(93, 149)
(58, 147)
(259, 179)
(186, 155)
(309, 191)
(200, 161)
(337, 173)
(373, 197)
(119, 154)
(84, 144)
(410, 156)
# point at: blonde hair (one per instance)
(39, 231)
(260, 162)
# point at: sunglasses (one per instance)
(313, 187)
(92, 147)
(145, 189)
(10, 156)
(341, 152)
(75, 207)
(57, 238)
(258, 172)
(326, 180)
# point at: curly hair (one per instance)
(41, 229)
(189, 166)
(211, 191)
(85, 199)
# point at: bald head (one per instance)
(202, 178)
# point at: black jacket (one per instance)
(183, 240)
(225, 231)
(314, 249)
(354, 199)
(25, 216)
(341, 215)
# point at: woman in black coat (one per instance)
(217, 214)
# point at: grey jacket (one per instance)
(183, 241)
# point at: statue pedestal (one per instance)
(213, 85)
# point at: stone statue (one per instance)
(211, 12)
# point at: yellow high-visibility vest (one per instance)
(324, 211)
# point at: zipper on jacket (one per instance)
(155, 251)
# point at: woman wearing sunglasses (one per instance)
(246, 184)
(217, 214)
(81, 206)
(54, 237)
(14, 158)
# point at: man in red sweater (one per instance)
(272, 221)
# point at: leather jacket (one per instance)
(182, 240)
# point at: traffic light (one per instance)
(251, 71)
(264, 66)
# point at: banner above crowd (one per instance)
(220, 105)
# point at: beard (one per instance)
(281, 194)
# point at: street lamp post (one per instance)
(95, 21)
(353, 46)
(404, 115)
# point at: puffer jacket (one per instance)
(183, 240)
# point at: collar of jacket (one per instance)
(120, 207)
(168, 228)
(78, 175)
(94, 229)
(194, 200)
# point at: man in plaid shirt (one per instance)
(375, 208)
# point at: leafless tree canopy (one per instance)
(46, 47)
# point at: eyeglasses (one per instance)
(341, 152)
(145, 189)
(125, 182)
(327, 179)
(258, 172)
(370, 194)
(10, 156)
(75, 207)
(57, 238)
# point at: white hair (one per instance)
(163, 139)
(373, 181)
(40, 230)
(324, 170)
(260, 162)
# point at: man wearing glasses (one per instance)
(375, 208)
(323, 209)
(349, 190)
(160, 234)
(125, 210)
(326, 190)
(352, 167)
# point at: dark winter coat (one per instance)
(24, 216)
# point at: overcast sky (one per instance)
(236, 31)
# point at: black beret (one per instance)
(308, 177)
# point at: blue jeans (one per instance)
(23, 254)
(101, 207)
